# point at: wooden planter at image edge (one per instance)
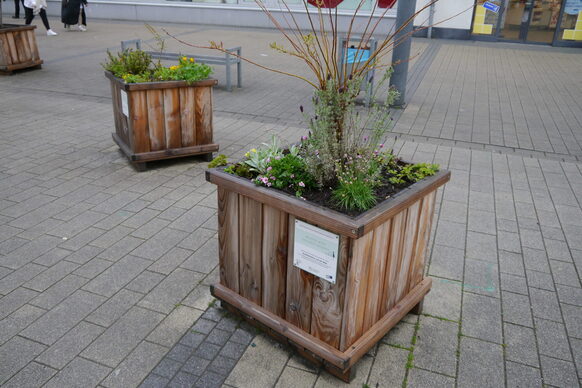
(380, 276)
(168, 119)
(18, 49)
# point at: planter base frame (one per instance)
(18, 49)
(340, 364)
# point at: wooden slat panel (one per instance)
(156, 119)
(250, 234)
(138, 111)
(116, 107)
(376, 276)
(328, 301)
(19, 47)
(203, 114)
(425, 222)
(173, 120)
(188, 116)
(408, 248)
(228, 234)
(393, 261)
(5, 58)
(356, 288)
(26, 51)
(299, 288)
(275, 240)
(12, 47)
(32, 44)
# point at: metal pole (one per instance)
(430, 21)
(401, 53)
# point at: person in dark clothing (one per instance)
(33, 7)
(70, 12)
(17, 9)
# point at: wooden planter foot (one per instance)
(417, 310)
(139, 167)
(207, 157)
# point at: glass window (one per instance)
(571, 27)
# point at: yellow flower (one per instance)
(184, 58)
(192, 60)
(173, 67)
(254, 150)
(247, 154)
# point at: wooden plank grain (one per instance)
(328, 300)
(203, 106)
(274, 251)
(156, 120)
(32, 44)
(408, 248)
(228, 242)
(250, 234)
(393, 261)
(138, 118)
(376, 274)
(173, 120)
(356, 289)
(5, 57)
(12, 47)
(188, 116)
(425, 223)
(299, 288)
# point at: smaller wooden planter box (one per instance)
(380, 267)
(162, 120)
(18, 49)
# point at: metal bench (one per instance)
(231, 57)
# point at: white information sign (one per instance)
(124, 105)
(316, 251)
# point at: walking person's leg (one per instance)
(28, 15)
(83, 25)
(45, 21)
(16, 9)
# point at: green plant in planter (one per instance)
(136, 66)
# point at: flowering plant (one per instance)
(137, 66)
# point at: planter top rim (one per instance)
(330, 219)
(16, 27)
(160, 84)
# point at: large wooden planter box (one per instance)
(379, 276)
(18, 49)
(162, 120)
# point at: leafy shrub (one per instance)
(287, 172)
(412, 173)
(128, 62)
(219, 161)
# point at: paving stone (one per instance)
(192, 339)
(243, 336)
(171, 290)
(521, 345)
(167, 368)
(573, 320)
(196, 365)
(158, 245)
(154, 381)
(447, 262)
(145, 282)
(79, 373)
(540, 280)
(59, 320)
(117, 276)
(170, 261)
(32, 375)
(480, 364)
(15, 354)
(552, 339)
(228, 323)
(59, 291)
(419, 378)
(70, 345)
(180, 353)
(292, 377)
(136, 366)
(14, 323)
(121, 248)
(52, 257)
(513, 283)
(29, 252)
(174, 325)
(363, 368)
(535, 260)
(114, 308)
(557, 250)
(15, 300)
(481, 278)
(400, 335)
(17, 278)
(450, 234)
(117, 341)
(569, 295)
(558, 373)
(509, 242)
(389, 367)
(482, 317)
(545, 304)
(52, 275)
(511, 263)
(84, 255)
(516, 309)
(444, 299)
(481, 246)
(204, 260)
(207, 351)
(564, 273)
(192, 219)
(141, 218)
(200, 297)
(92, 268)
(213, 314)
(233, 350)
(436, 345)
(82, 239)
(210, 380)
(182, 379)
(519, 376)
(111, 236)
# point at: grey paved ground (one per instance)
(104, 272)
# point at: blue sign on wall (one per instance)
(491, 7)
